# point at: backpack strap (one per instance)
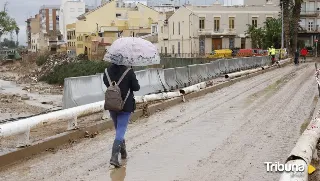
(124, 74)
(121, 78)
(108, 77)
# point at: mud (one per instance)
(220, 136)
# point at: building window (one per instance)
(172, 49)
(80, 10)
(118, 15)
(255, 22)
(201, 23)
(231, 23)
(179, 28)
(161, 29)
(161, 49)
(216, 24)
(178, 47)
(173, 28)
(310, 25)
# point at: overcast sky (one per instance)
(22, 9)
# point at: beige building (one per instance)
(194, 30)
(71, 39)
(33, 27)
(110, 21)
(309, 23)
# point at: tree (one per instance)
(256, 35)
(286, 22)
(272, 36)
(266, 36)
(7, 24)
(8, 43)
(295, 23)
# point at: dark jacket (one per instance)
(129, 82)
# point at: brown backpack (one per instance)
(113, 100)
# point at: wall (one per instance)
(35, 24)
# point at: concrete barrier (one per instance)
(194, 71)
(182, 76)
(223, 66)
(204, 74)
(213, 69)
(144, 81)
(82, 90)
(88, 89)
(171, 78)
(157, 80)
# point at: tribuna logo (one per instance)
(279, 167)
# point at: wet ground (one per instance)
(223, 136)
(22, 98)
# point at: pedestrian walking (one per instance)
(121, 82)
(303, 54)
(272, 53)
(296, 57)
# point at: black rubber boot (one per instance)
(123, 150)
(115, 152)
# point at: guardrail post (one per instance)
(24, 139)
(73, 123)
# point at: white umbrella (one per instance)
(131, 51)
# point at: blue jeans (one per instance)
(120, 121)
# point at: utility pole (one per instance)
(282, 24)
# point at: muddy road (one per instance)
(226, 135)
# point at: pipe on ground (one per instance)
(193, 88)
(239, 74)
(23, 125)
(155, 97)
(303, 151)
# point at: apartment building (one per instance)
(71, 39)
(33, 27)
(49, 25)
(69, 11)
(201, 29)
(94, 28)
(310, 20)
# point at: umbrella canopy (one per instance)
(132, 51)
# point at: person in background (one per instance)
(272, 53)
(304, 53)
(128, 85)
(296, 57)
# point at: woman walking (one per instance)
(127, 82)
(121, 82)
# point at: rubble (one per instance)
(53, 61)
(25, 97)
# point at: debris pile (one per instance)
(53, 61)
(10, 98)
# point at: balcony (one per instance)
(309, 13)
(226, 31)
(309, 29)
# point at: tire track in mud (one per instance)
(235, 160)
(211, 98)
